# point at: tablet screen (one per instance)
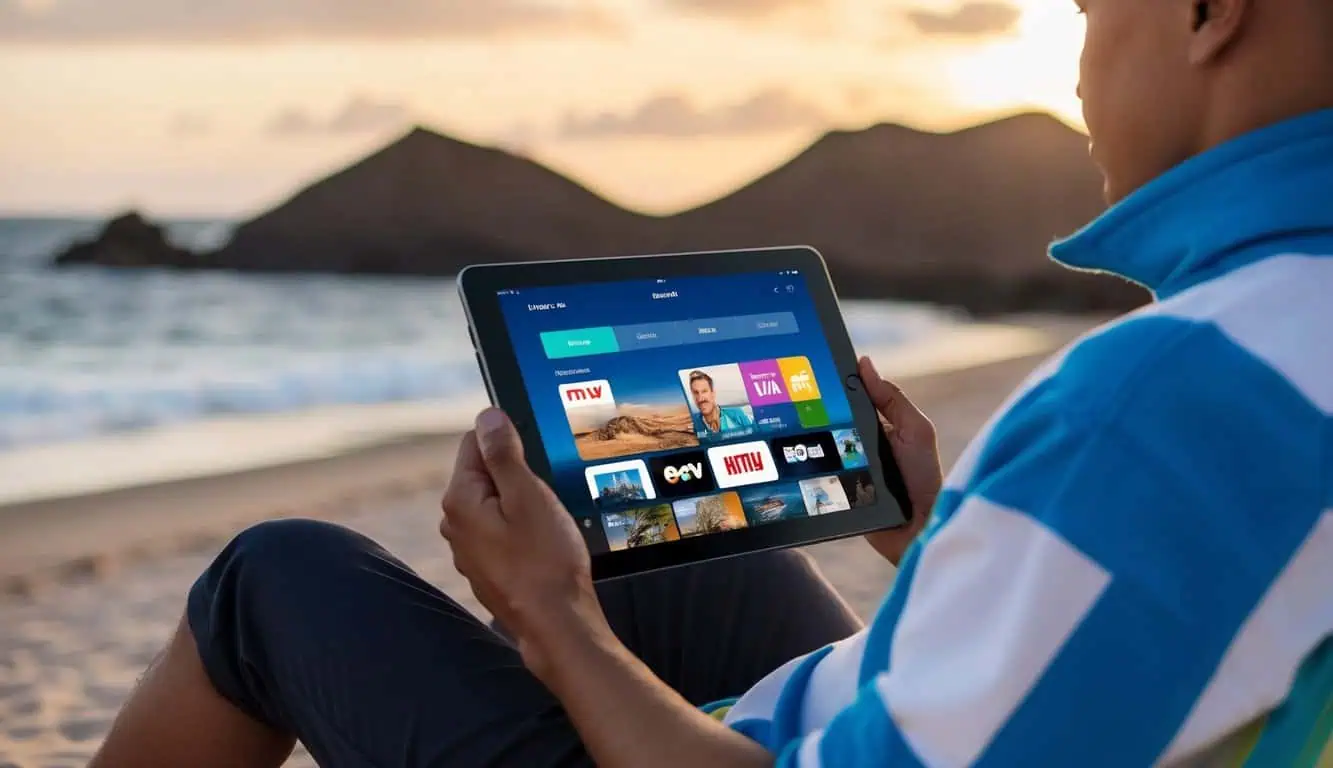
(687, 406)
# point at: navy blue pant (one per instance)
(321, 633)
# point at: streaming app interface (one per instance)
(688, 406)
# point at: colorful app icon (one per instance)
(764, 383)
(624, 482)
(811, 414)
(742, 464)
(799, 378)
(682, 474)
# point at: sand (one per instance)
(93, 585)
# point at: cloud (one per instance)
(189, 125)
(981, 18)
(745, 9)
(257, 21)
(673, 116)
(361, 114)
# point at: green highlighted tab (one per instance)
(584, 341)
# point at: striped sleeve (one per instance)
(1119, 538)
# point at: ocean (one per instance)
(92, 352)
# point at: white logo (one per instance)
(685, 473)
(801, 382)
(742, 464)
(797, 453)
(586, 394)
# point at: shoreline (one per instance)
(349, 463)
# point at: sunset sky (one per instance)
(225, 107)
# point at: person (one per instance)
(713, 420)
(1129, 566)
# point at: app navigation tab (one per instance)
(577, 343)
(625, 338)
(648, 336)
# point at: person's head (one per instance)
(701, 388)
(1163, 80)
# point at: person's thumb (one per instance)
(502, 450)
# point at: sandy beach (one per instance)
(93, 577)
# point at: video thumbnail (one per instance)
(718, 405)
(710, 514)
(860, 489)
(640, 527)
(772, 503)
(622, 483)
(850, 448)
(642, 421)
(823, 495)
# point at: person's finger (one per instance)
(471, 487)
(502, 452)
(882, 393)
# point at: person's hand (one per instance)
(916, 451)
(516, 544)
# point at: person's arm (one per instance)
(526, 561)
(1131, 569)
(911, 436)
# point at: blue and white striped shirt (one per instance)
(1132, 564)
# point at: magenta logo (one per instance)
(764, 383)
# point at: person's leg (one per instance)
(714, 629)
(307, 630)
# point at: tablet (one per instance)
(686, 407)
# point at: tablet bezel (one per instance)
(478, 287)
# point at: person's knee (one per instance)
(307, 548)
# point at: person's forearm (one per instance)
(626, 715)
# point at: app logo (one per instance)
(682, 474)
(742, 464)
(800, 378)
(802, 453)
(807, 454)
(621, 483)
(764, 383)
(587, 394)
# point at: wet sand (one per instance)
(92, 586)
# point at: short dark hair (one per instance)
(701, 376)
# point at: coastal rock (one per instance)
(961, 219)
(128, 241)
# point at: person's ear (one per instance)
(1216, 24)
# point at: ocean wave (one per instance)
(90, 352)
